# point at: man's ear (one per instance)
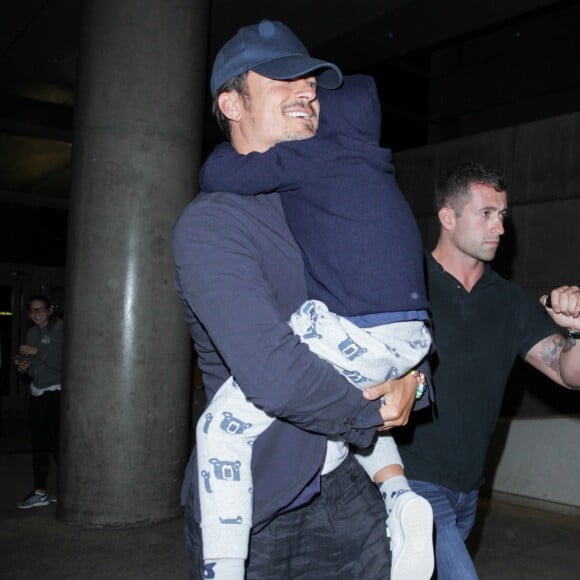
(447, 218)
(230, 104)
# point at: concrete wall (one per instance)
(535, 458)
(541, 164)
(538, 462)
(524, 70)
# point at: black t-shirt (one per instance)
(477, 337)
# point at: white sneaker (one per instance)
(410, 526)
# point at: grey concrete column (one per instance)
(136, 151)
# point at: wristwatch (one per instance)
(575, 334)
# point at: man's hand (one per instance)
(399, 397)
(565, 306)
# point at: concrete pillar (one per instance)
(136, 151)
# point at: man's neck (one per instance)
(464, 268)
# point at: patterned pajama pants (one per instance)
(227, 430)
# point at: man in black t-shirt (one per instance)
(481, 322)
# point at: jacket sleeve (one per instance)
(221, 279)
(282, 168)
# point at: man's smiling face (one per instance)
(275, 111)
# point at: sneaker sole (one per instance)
(37, 504)
(414, 560)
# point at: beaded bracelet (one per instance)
(421, 383)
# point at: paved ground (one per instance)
(519, 543)
(34, 544)
(510, 542)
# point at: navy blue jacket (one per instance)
(360, 242)
(240, 276)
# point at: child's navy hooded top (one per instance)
(361, 245)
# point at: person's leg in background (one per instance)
(52, 414)
(44, 429)
(39, 441)
(454, 515)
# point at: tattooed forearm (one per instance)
(551, 349)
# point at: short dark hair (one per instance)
(39, 298)
(238, 84)
(453, 190)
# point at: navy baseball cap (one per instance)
(272, 50)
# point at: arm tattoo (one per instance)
(551, 350)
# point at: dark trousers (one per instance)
(339, 535)
(44, 426)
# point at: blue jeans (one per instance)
(453, 515)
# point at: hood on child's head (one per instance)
(353, 109)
